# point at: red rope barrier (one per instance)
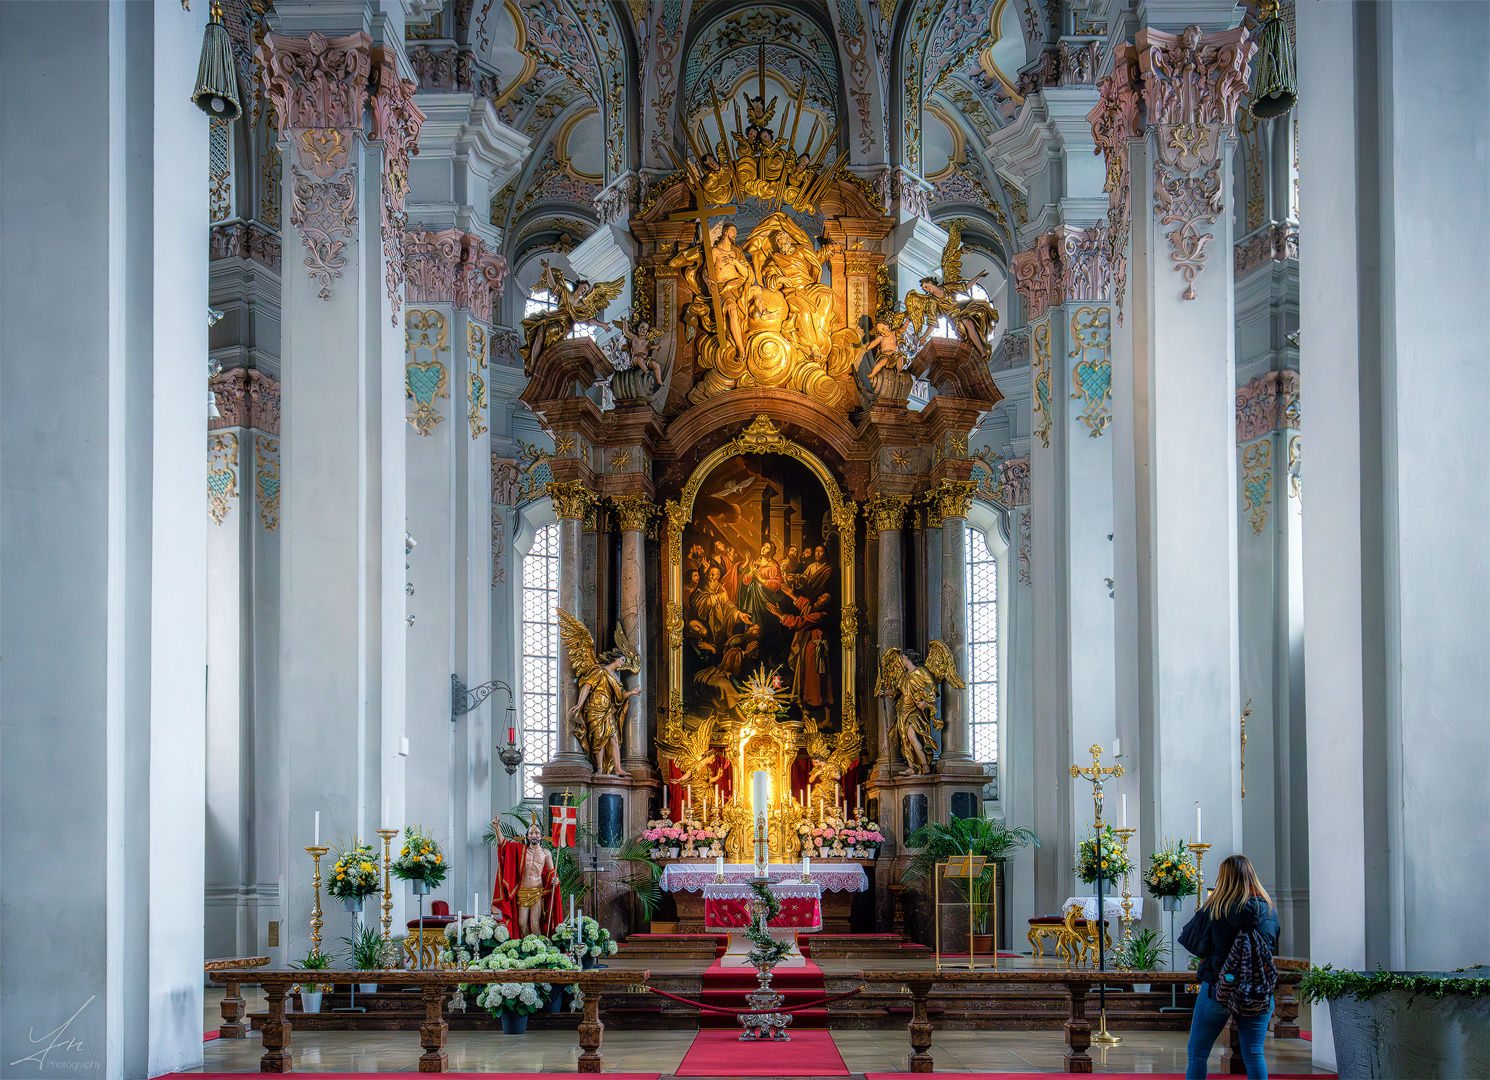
(755, 1012)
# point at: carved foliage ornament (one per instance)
(475, 384)
(424, 381)
(1025, 546)
(1257, 483)
(634, 511)
(1091, 337)
(571, 499)
(246, 397)
(886, 512)
(1267, 403)
(266, 480)
(1040, 399)
(222, 474)
(1014, 488)
(954, 497)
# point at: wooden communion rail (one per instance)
(436, 986)
(1079, 984)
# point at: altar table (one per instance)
(727, 906)
(838, 882)
(1112, 907)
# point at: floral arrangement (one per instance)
(699, 839)
(479, 938)
(664, 834)
(594, 939)
(1114, 857)
(764, 694)
(420, 858)
(354, 875)
(1170, 872)
(532, 953)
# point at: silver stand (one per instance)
(352, 1005)
(1171, 905)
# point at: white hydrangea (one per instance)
(528, 996)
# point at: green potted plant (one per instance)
(1405, 1023)
(1146, 950)
(994, 840)
(368, 952)
(310, 992)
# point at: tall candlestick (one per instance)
(387, 835)
(316, 852)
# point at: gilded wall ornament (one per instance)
(1257, 482)
(266, 480)
(1092, 376)
(425, 381)
(673, 621)
(1296, 469)
(222, 474)
(1041, 396)
(1025, 547)
(954, 497)
(475, 384)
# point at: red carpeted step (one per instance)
(726, 987)
(721, 1053)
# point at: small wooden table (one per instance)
(234, 1025)
(436, 985)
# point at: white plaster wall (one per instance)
(102, 545)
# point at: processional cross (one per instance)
(1097, 775)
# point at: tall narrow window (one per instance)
(983, 647)
(540, 667)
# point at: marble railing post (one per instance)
(633, 512)
(570, 503)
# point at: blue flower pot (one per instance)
(555, 1000)
(588, 961)
(514, 1023)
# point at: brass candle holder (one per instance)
(387, 835)
(1199, 850)
(315, 912)
(1126, 835)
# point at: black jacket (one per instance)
(1211, 939)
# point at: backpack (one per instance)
(1245, 983)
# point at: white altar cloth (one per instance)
(832, 877)
(1112, 906)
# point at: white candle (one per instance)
(475, 905)
(318, 829)
(1125, 809)
(760, 790)
(806, 867)
(1197, 822)
(459, 917)
(719, 867)
(571, 912)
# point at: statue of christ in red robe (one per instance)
(526, 893)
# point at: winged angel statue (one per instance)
(602, 699)
(583, 304)
(915, 686)
(692, 754)
(972, 319)
(831, 760)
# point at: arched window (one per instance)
(983, 648)
(540, 659)
(944, 325)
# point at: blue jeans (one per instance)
(1209, 1020)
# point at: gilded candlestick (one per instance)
(1126, 835)
(1199, 850)
(315, 913)
(387, 835)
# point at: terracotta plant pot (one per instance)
(983, 943)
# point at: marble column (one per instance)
(1395, 507)
(571, 501)
(633, 513)
(952, 501)
(887, 519)
(342, 585)
(103, 522)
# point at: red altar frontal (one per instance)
(691, 885)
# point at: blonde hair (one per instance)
(1236, 883)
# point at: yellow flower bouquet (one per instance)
(420, 858)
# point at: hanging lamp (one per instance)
(217, 75)
(1277, 87)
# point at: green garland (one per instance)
(1327, 984)
(768, 952)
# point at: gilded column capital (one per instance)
(952, 498)
(571, 499)
(887, 512)
(634, 511)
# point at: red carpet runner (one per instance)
(721, 1053)
(726, 988)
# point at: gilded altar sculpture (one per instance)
(600, 704)
(972, 319)
(915, 687)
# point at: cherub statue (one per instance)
(972, 319)
(641, 339)
(581, 305)
(602, 698)
(886, 339)
(831, 760)
(915, 688)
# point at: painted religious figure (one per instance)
(915, 686)
(526, 894)
(600, 703)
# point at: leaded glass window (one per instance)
(540, 659)
(983, 647)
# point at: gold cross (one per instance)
(1097, 775)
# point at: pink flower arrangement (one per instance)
(663, 834)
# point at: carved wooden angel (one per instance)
(915, 686)
(601, 702)
(972, 319)
(582, 304)
(692, 754)
(831, 760)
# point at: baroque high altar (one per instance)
(761, 489)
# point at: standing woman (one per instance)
(1237, 903)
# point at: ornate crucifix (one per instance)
(702, 215)
(1097, 775)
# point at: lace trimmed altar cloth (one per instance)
(831, 877)
(1112, 906)
(727, 906)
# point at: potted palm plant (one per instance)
(369, 952)
(310, 992)
(994, 840)
(1144, 951)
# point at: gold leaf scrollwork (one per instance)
(1257, 483)
(954, 497)
(571, 500)
(634, 511)
(887, 511)
(848, 625)
(222, 474)
(674, 625)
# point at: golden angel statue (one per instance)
(831, 760)
(581, 305)
(972, 319)
(688, 758)
(601, 702)
(915, 686)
